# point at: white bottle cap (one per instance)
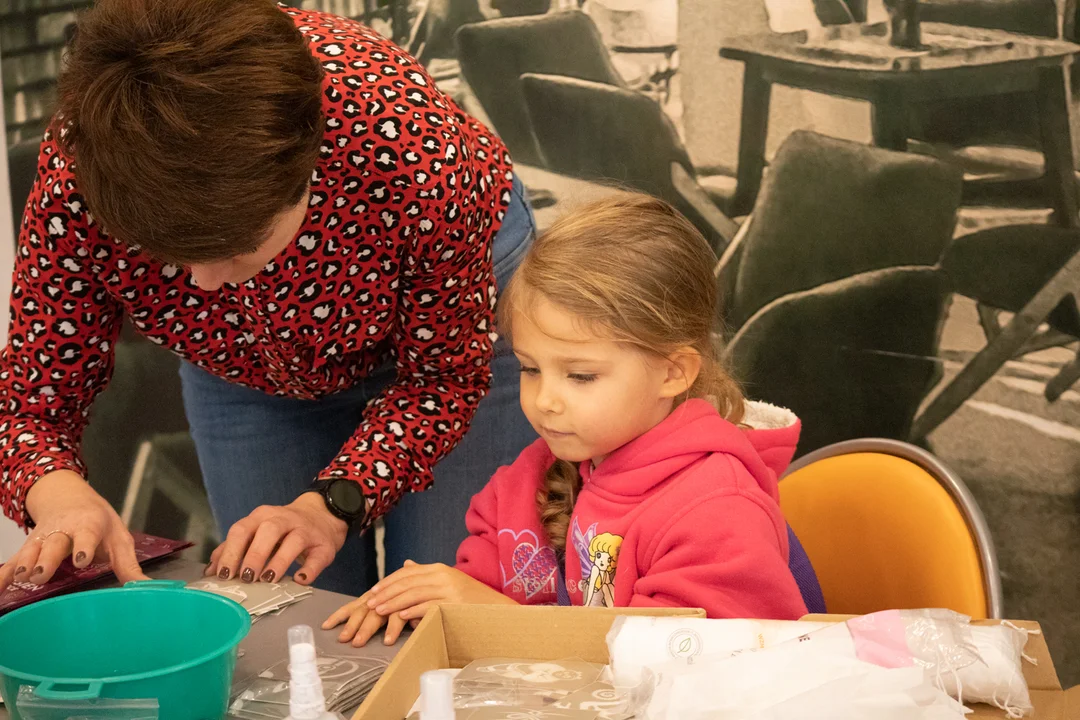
(436, 696)
(306, 701)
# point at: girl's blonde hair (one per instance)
(633, 268)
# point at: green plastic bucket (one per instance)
(151, 639)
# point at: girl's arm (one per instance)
(727, 555)
(478, 555)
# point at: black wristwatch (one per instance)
(345, 500)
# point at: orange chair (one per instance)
(888, 526)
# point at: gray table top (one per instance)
(266, 644)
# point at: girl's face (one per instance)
(585, 394)
(602, 561)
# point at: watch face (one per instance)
(347, 497)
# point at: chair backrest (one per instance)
(888, 526)
(604, 133)
(22, 172)
(829, 209)
(495, 54)
(432, 35)
(852, 358)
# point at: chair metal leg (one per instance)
(1064, 380)
(982, 367)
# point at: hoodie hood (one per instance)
(691, 432)
(774, 433)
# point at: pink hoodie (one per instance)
(686, 515)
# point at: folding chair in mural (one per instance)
(1030, 270)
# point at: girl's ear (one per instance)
(683, 368)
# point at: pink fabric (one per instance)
(881, 638)
(687, 511)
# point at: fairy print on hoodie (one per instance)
(686, 515)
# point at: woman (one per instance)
(284, 199)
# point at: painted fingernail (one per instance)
(268, 576)
(79, 557)
(302, 577)
(248, 575)
(20, 570)
(37, 571)
(224, 573)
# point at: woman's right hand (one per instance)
(72, 519)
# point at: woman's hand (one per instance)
(264, 544)
(361, 623)
(413, 590)
(72, 519)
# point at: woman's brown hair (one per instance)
(192, 123)
(634, 268)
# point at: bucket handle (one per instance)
(48, 690)
(164, 584)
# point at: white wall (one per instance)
(10, 535)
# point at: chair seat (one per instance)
(1004, 267)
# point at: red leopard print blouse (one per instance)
(393, 260)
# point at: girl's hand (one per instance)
(412, 591)
(362, 623)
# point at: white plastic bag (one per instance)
(635, 643)
(972, 663)
(874, 692)
(776, 684)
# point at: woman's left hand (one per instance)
(263, 545)
(414, 589)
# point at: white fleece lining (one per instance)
(763, 416)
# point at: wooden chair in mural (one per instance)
(832, 292)
(605, 133)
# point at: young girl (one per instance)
(649, 485)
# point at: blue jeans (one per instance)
(257, 449)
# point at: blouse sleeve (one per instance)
(59, 352)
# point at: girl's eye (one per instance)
(530, 370)
(581, 378)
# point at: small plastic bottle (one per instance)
(436, 696)
(306, 700)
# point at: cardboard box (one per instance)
(452, 636)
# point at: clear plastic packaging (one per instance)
(32, 707)
(560, 688)
(345, 683)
